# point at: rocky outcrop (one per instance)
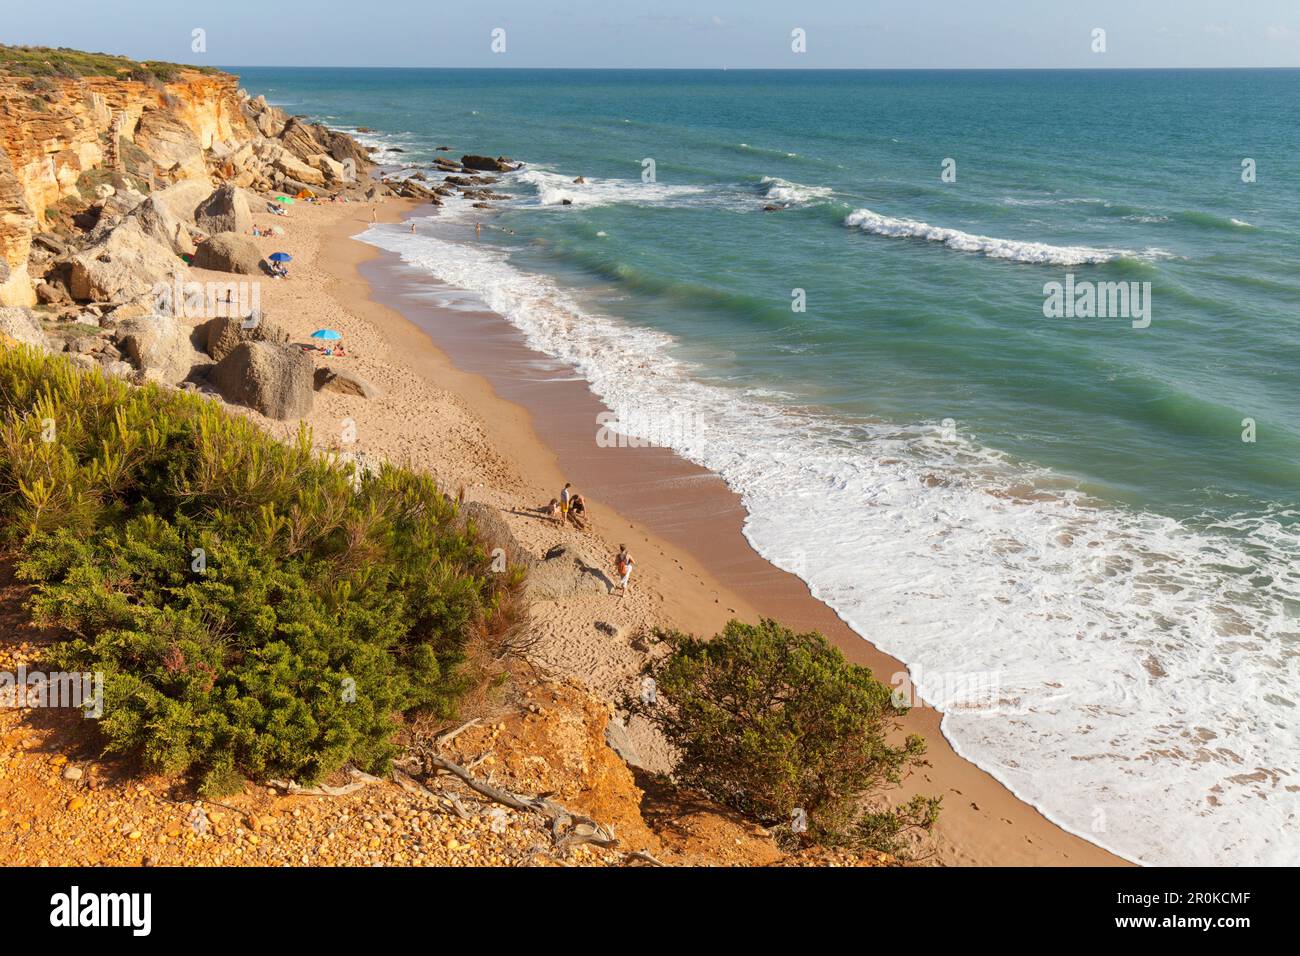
(63, 139)
(226, 210)
(275, 380)
(160, 345)
(79, 153)
(229, 252)
(221, 336)
(565, 573)
(297, 169)
(299, 138)
(157, 220)
(345, 382)
(171, 144)
(126, 263)
(21, 325)
(501, 164)
(181, 199)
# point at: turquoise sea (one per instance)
(1082, 534)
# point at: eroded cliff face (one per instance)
(55, 130)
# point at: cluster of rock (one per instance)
(148, 182)
(465, 178)
(82, 161)
(113, 189)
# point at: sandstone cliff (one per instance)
(69, 145)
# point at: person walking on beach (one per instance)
(565, 495)
(623, 565)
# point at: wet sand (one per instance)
(545, 421)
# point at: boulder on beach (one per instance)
(275, 380)
(229, 252)
(124, 264)
(345, 382)
(226, 210)
(329, 167)
(181, 199)
(220, 336)
(297, 169)
(159, 345)
(157, 220)
(564, 573)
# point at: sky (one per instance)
(737, 34)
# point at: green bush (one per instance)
(63, 62)
(768, 722)
(255, 609)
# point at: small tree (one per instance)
(771, 723)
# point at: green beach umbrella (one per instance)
(284, 199)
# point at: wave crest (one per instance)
(1012, 249)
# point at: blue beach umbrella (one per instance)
(328, 334)
(280, 257)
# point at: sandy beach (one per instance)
(463, 398)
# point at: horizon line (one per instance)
(759, 69)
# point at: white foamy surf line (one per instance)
(994, 248)
(787, 193)
(1145, 691)
(555, 189)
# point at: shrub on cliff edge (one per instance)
(254, 609)
(771, 723)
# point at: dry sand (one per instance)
(695, 570)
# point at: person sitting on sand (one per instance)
(553, 512)
(623, 565)
(578, 512)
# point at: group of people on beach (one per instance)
(571, 506)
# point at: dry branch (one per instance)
(567, 828)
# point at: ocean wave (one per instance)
(555, 189)
(994, 248)
(785, 193)
(1209, 220)
(1139, 664)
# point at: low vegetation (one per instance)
(782, 728)
(62, 62)
(255, 610)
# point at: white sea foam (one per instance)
(553, 189)
(1146, 675)
(994, 248)
(793, 194)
